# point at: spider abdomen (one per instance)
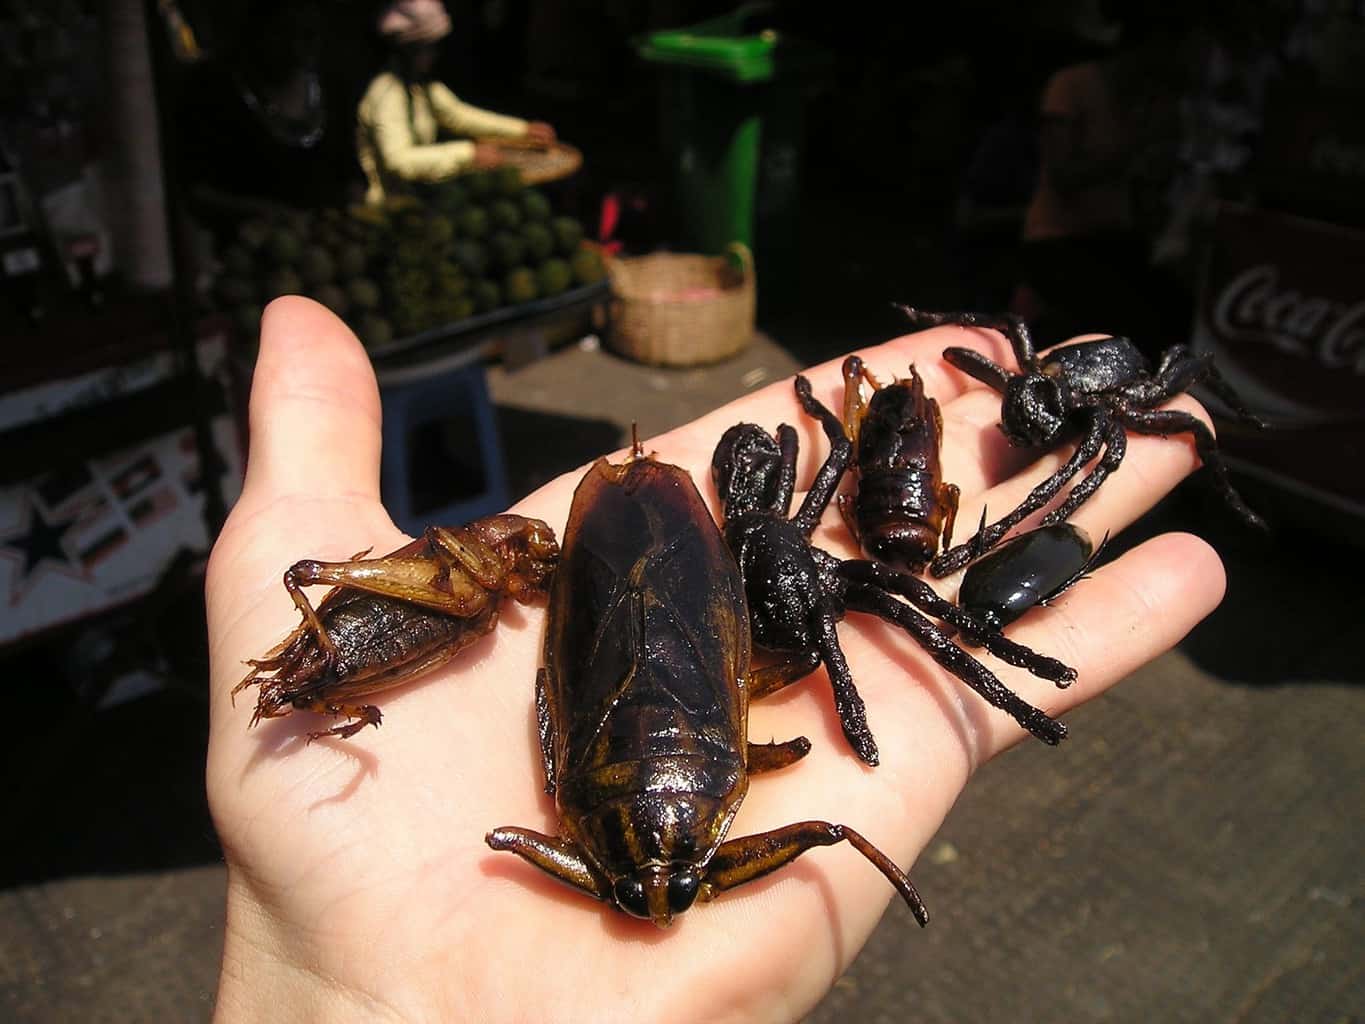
(1091, 367)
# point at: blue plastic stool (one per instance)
(442, 461)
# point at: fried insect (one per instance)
(1026, 571)
(1097, 388)
(390, 619)
(643, 707)
(798, 593)
(901, 505)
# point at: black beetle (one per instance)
(1025, 571)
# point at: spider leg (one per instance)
(875, 576)
(974, 364)
(955, 558)
(827, 479)
(1115, 447)
(957, 661)
(1173, 421)
(786, 476)
(1011, 326)
(1181, 369)
(849, 705)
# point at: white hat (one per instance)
(414, 21)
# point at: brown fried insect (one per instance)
(902, 504)
(388, 620)
(643, 707)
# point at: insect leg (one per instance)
(955, 558)
(1181, 369)
(974, 364)
(875, 578)
(1172, 421)
(771, 678)
(855, 406)
(848, 512)
(948, 496)
(1115, 447)
(545, 727)
(827, 478)
(296, 577)
(767, 757)
(461, 547)
(957, 661)
(786, 473)
(552, 855)
(847, 703)
(411, 576)
(742, 860)
(360, 715)
(1011, 326)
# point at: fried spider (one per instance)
(797, 593)
(1098, 389)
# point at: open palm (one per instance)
(359, 883)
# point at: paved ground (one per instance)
(1191, 854)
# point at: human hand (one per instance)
(359, 883)
(540, 133)
(487, 155)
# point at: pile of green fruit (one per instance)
(476, 243)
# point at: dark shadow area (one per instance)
(443, 466)
(539, 446)
(104, 792)
(1292, 611)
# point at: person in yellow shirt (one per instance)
(404, 110)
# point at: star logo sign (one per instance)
(36, 546)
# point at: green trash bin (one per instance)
(731, 125)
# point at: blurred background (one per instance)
(731, 194)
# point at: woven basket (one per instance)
(540, 164)
(677, 309)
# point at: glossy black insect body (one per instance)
(901, 505)
(643, 707)
(1094, 389)
(1025, 571)
(798, 593)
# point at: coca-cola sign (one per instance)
(1283, 307)
(1256, 307)
(1283, 310)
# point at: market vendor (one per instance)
(403, 110)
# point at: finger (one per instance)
(931, 725)
(315, 419)
(1110, 624)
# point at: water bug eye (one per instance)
(629, 894)
(682, 890)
